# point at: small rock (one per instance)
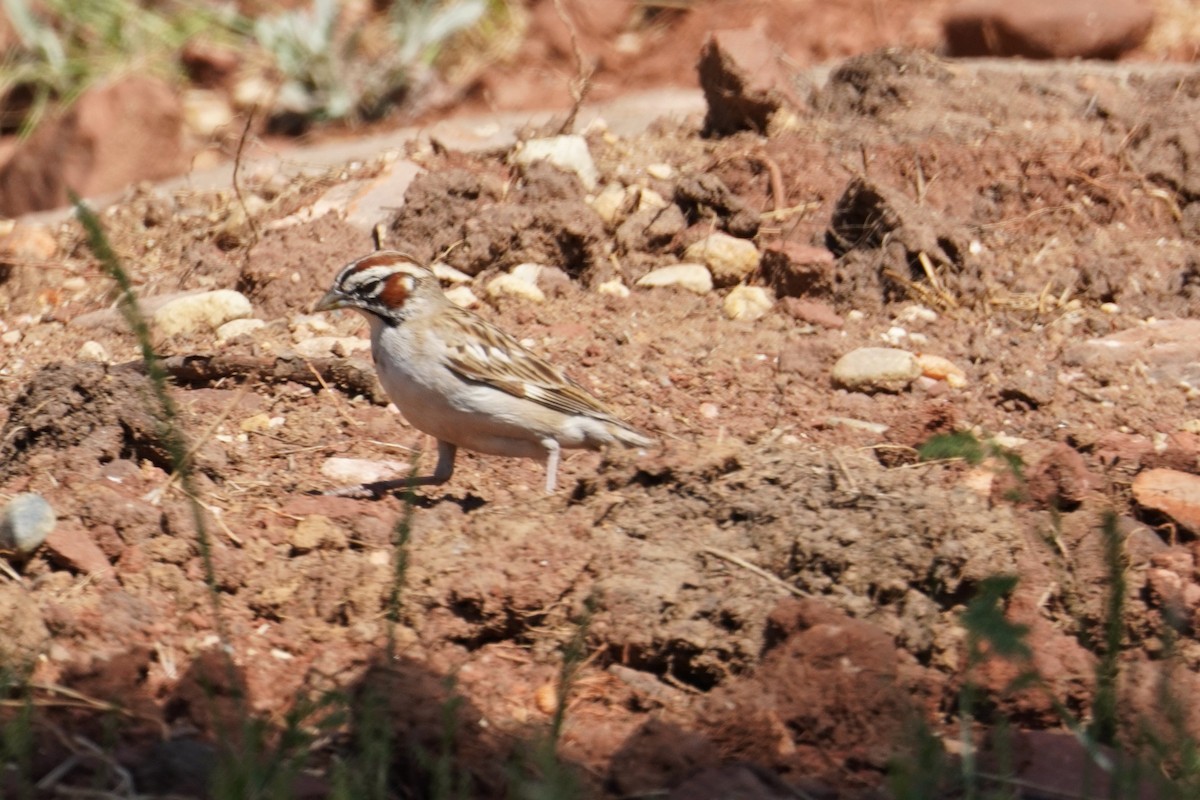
(1035, 29)
(25, 522)
(360, 470)
(730, 259)
(381, 197)
(326, 346)
(1171, 492)
(569, 153)
(705, 196)
(1059, 479)
(238, 327)
(512, 286)
(813, 312)
(613, 288)
(527, 272)
(662, 172)
(917, 313)
(254, 91)
(203, 311)
(448, 274)
(73, 547)
(650, 199)
(11, 338)
(462, 296)
(650, 229)
(1169, 350)
(610, 203)
(798, 270)
(303, 326)
(256, 423)
(27, 243)
(693, 277)
(316, 531)
(206, 112)
(93, 351)
(747, 303)
(870, 369)
(942, 369)
(745, 81)
(875, 428)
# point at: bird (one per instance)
(462, 380)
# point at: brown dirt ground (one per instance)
(769, 588)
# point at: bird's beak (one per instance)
(332, 299)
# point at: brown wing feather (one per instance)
(501, 361)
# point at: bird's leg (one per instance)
(441, 473)
(552, 453)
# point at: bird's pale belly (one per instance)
(472, 416)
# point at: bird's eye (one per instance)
(371, 287)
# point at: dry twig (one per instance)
(759, 571)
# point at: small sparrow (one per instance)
(464, 381)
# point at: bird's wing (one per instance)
(489, 355)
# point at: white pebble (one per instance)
(513, 286)
(203, 311)
(692, 277)
(448, 274)
(613, 288)
(238, 327)
(568, 153)
(747, 303)
(728, 258)
(360, 470)
(462, 296)
(93, 351)
(663, 172)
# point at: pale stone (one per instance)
(650, 199)
(256, 424)
(316, 531)
(730, 259)
(747, 303)
(462, 296)
(448, 274)
(569, 153)
(942, 369)
(692, 277)
(610, 203)
(305, 325)
(238, 327)
(662, 172)
(11, 337)
(1174, 493)
(876, 368)
(203, 311)
(326, 346)
(613, 288)
(206, 112)
(527, 272)
(513, 286)
(360, 470)
(93, 351)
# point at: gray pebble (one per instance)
(25, 523)
(870, 369)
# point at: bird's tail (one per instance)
(630, 436)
